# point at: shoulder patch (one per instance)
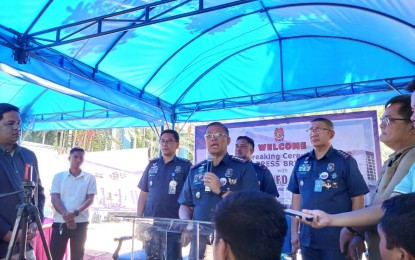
(343, 154)
(238, 159)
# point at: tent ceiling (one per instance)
(99, 64)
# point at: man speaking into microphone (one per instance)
(226, 174)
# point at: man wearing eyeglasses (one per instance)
(397, 177)
(398, 133)
(160, 186)
(208, 183)
(325, 179)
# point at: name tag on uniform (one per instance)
(318, 185)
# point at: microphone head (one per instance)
(209, 158)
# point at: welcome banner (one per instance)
(279, 142)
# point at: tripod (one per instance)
(24, 213)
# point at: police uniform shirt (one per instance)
(265, 179)
(233, 173)
(327, 184)
(156, 181)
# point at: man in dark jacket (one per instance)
(13, 159)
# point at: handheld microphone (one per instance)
(209, 165)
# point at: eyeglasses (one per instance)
(388, 120)
(217, 135)
(317, 130)
(167, 141)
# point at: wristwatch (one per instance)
(76, 212)
(222, 191)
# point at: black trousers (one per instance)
(60, 236)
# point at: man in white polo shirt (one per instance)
(72, 193)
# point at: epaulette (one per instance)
(198, 164)
(182, 159)
(238, 159)
(343, 154)
(260, 165)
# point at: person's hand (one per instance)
(185, 238)
(69, 216)
(345, 237)
(321, 219)
(32, 231)
(9, 234)
(212, 181)
(71, 225)
(356, 244)
(295, 243)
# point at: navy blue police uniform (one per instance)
(234, 174)
(164, 182)
(265, 179)
(327, 184)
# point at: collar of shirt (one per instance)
(328, 153)
(161, 160)
(226, 159)
(80, 175)
(3, 149)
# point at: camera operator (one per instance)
(13, 159)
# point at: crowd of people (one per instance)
(237, 195)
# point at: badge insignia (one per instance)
(198, 178)
(327, 184)
(202, 168)
(330, 167)
(334, 184)
(229, 173)
(178, 169)
(198, 195)
(232, 181)
(318, 185)
(334, 176)
(172, 187)
(223, 181)
(324, 175)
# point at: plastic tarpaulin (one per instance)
(101, 64)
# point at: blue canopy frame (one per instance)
(106, 64)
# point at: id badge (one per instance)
(172, 187)
(318, 185)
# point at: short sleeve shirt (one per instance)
(164, 182)
(234, 174)
(265, 179)
(407, 185)
(73, 191)
(327, 184)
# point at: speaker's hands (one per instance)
(32, 231)
(69, 218)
